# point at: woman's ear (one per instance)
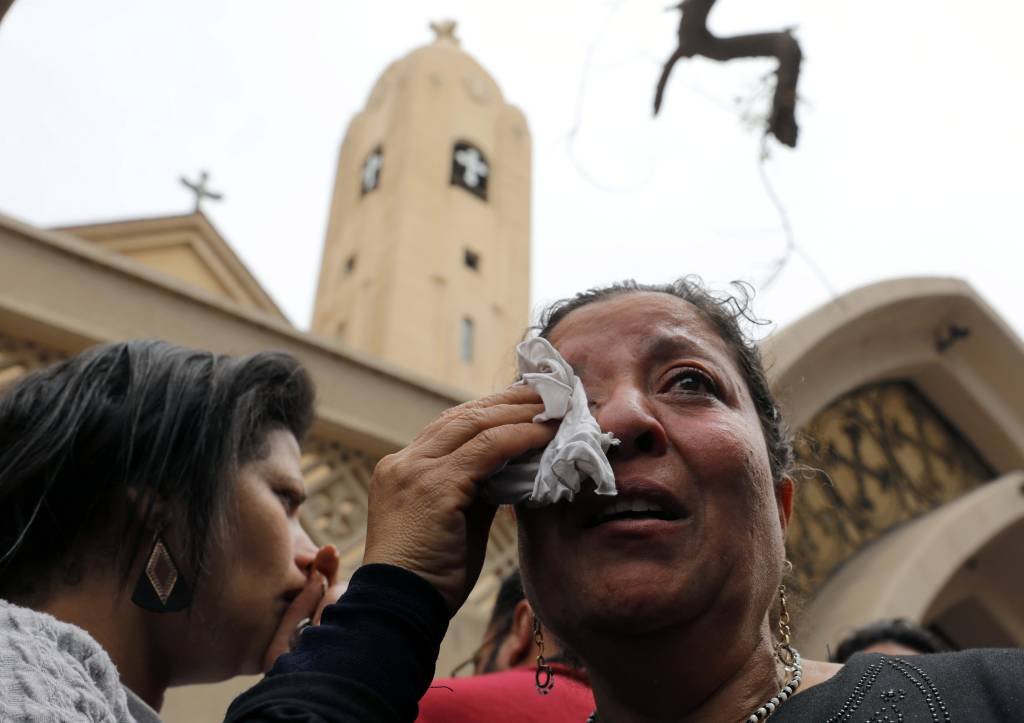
(517, 648)
(785, 488)
(149, 508)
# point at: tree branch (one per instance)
(695, 39)
(5, 5)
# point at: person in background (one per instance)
(893, 636)
(509, 641)
(503, 686)
(149, 530)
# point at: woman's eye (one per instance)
(289, 499)
(693, 381)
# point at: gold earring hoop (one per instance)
(784, 648)
(544, 677)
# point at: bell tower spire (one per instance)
(426, 259)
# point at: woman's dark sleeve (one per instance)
(370, 660)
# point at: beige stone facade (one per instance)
(426, 262)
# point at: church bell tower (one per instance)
(426, 261)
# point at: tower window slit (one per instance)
(467, 340)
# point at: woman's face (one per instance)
(698, 523)
(257, 566)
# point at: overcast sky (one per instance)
(909, 162)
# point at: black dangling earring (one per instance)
(161, 587)
(544, 677)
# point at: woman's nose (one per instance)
(627, 414)
(305, 550)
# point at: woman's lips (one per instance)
(637, 527)
(637, 511)
(638, 502)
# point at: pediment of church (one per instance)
(187, 248)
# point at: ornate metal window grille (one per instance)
(880, 455)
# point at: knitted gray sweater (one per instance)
(53, 671)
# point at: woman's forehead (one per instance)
(638, 313)
(641, 328)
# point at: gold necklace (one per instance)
(767, 710)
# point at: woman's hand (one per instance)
(424, 513)
(322, 589)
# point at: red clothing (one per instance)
(507, 697)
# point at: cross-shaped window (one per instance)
(470, 169)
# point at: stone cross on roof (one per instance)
(200, 190)
(444, 31)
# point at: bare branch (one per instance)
(5, 5)
(663, 80)
(695, 39)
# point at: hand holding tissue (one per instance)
(578, 451)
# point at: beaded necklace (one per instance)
(768, 709)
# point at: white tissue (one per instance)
(577, 452)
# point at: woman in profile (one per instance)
(149, 531)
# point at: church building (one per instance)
(905, 394)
